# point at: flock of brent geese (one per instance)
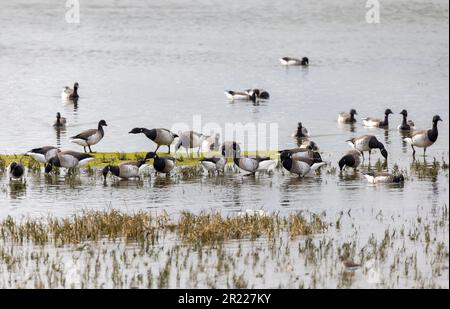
(301, 160)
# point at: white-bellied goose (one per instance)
(214, 164)
(16, 171)
(384, 177)
(300, 166)
(406, 125)
(301, 132)
(69, 93)
(258, 93)
(60, 121)
(69, 160)
(160, 136)
(424, 138)
(161, 164)
(249, 164)
(376, 122)
(90, 137)
(367, 143)
(351, 159)
(297, 153)
(125, 170)
(294, 61)
(240, 95)
(190, 140)
(347, 117)
(43, 154)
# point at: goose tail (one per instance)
(370, 178)
(408, 140)
(316, 166)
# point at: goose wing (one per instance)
(85, 134)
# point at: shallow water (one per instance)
(160, 63)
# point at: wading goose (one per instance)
(161, 164)
(69, 160)
(384, 177)
(297, 153)
(190, 140)
(376, 122)
(16, 171)
(351, 159)
(294, 61)
(347, 117)
(301, 132)
(407, 125)
(367, 143)
(251, 164)
(258, 93)
(214, 164)
(90, 137)
(161, 137)
(424, 138)
(60, 122)
(240, 95)
(43, 154)
(125, 170)
(300, 166)
(69, 93)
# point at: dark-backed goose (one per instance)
(367, 143)
(406, 125)
(90, 137)
(60, 121)
(240, 95)
(125, 170)
(347, 117)
(43, 154)
(160, 136)
(214, 164)
(161, 164)
(301, 132)
(384, 177)
(69, 160)
(351, 159)
(258, 93)
(300, 166)
(69, 93)
(376, 122)
(294, 61)
(190, 140)
(16, 171)
(424, 138)
(250, 164)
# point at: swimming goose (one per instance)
(159, 136)
(43, 154)
(407, 125)
(69, 93)
(294, 61)
(16, 171)
(240, 95)
(69, 160)
(125, 170)
(258, 93)
(249, 164)
(424, 138)
(299, 152)
(90, 137)
(347, 117)
(301, 132)
(190, 140)
(300, 166)
(376, 122)
(367, 143)
(60, 121)
(214, 164)
(161, 164)
(351, 159)
(384, 177)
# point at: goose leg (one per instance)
(90, 150)
(84, 147)
(424, 151)
(156, 150)
(414, 151)
(169, 148)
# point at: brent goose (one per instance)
(351, 159)
(406, 125)
(125, 170)
(367, 143)
(294, 61)
(376, 122)
(347, 117)
(424, 138)
(69, 160)
(69, 93)
(159, 136)
(90, 137)
(384, 177)
(161, 164)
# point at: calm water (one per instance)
(162, 62)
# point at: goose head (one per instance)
(388, 112)
(105, 171)
(150, 155)
(102, 123)
(384, 153)
(353, 112)
(436, 119)
(404, 113)
(136, 131)
(76, 85)
(305, 61)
